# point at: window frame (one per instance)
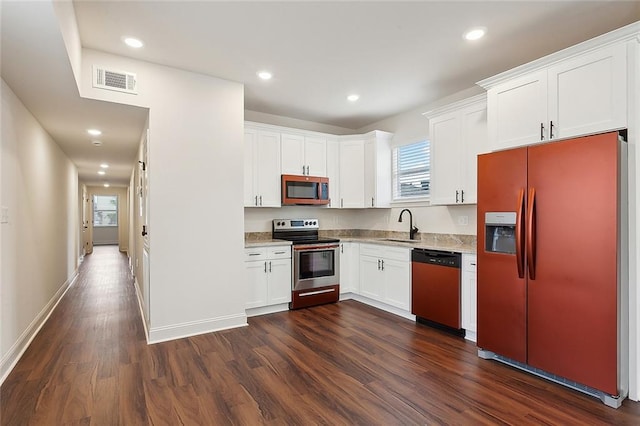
(395, 191)
(95, 210)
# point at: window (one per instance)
(411, 170)
(105, 210)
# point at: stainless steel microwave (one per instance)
(304, 190)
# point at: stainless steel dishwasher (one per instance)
(435, 289)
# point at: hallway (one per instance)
(343, 363)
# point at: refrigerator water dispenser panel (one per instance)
(500, 232)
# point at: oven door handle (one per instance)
(316, 247)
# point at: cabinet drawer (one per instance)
(469, 263)
(371, 250)
(257, 253)
(279, 252)
(397, 253)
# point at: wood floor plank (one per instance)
(337, 364)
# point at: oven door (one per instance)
(315, 266)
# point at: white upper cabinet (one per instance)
(377, 169)
(579, 91)
(588, 94)
(333, 172)
(351, 174)
(261, 168)
(304, 155)
(518, 111)
(458, 132)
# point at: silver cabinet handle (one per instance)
(307, 170)
(261, 200)
(551, 129)
(371, 201)
(254, 254)
(256, 201)
(265, 267)
(382, 265)
(541, 131)
(378, 264)
(303, 169)
(456, 197)
(269, 266)
(341, 202)
(341, 248)
(462, 195)
(280, 252)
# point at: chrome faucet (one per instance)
(412, 229)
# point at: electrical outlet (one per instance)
(463, 220)
(4, 214)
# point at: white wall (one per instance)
(196, 217)
(40, 242)
(278, 120)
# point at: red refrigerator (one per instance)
(550, 264)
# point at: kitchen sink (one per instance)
(400, 240)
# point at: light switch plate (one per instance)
(4, 214)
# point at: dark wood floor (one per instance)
(344, 363)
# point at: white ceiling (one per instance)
(397, 55)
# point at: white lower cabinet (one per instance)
(385, 274)
(469, 296)
(268, 276)
(349, 267)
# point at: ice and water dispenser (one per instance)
(500, 232)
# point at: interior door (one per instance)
(572, 298)
(502, 327)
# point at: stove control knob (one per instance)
(315, 223)
(306, 223)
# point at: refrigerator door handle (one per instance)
(520, 233)
(531, 234)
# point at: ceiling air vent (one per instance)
(114, 80)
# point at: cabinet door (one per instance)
(474, 141)
(349, 267)
(256, 278)
(445, 134)
(370, 173)
(333, 172)
(352, 174)
(315, 155)
(292, 154)
(588, 94)
(250, 141)
(517, 111)
(371, 279)
(268, 169)
(279, 273)
(469, 296)
(397, 283)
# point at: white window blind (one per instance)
(411, 170)
(105, 210)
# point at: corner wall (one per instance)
(39, 185)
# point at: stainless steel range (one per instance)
(316, 262)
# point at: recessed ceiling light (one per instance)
(102, 172)
(133, 42)
(94, 132)
(96, 143)
(475, 33)
(106, 185)
(265, 75)
(104, 165)
(353, 98)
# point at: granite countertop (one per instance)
(446, 242)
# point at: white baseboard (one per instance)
(141, 307)
(252, 312)
(193, 328)
(380, 305)
(11, 358)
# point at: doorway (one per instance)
(105, 220)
